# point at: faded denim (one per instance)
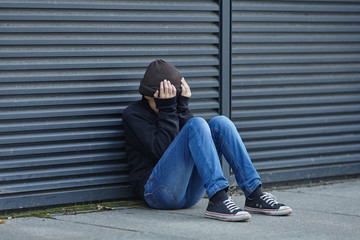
(191, 166)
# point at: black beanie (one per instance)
(156, 72)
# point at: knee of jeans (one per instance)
(218, 121)
(197, 126)
(197, 121)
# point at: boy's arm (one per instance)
(152, 139)
(183, 111)
(147, 137)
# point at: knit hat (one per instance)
(156, 72)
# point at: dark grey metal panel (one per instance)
(67, 71)
(225, 68)
(296, 86)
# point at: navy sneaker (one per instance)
(266, 204)
(226, 210)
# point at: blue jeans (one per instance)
(191, 165)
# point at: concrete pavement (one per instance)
(330, 211)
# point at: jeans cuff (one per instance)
(214, 189)
(251, 189)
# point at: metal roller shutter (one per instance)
(296, 86)
(69, 69)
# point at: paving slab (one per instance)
(320, 212)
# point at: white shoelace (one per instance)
(229, 203)
(269, 199)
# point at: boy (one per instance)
(174, 156)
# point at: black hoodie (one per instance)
(148, 135)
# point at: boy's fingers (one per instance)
(185, 85)
(161, 87)
(184, 82)
(156, 94)
(167, 88)
(173, 90)
(184, 88)
(170, 89)
(166, 85)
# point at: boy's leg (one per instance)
(188, 165)
(228, 142)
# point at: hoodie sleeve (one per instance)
(149, 138)
(183, 111)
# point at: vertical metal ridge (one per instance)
(225, 69)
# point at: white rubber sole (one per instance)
(282, 211)
(239, 217)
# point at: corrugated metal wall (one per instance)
(296, 86)
(69, 69)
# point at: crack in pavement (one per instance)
(321, 194)
(98, 225)
(335, 213)
(117, 228)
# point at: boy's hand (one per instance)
(186, 92)
(167, 90)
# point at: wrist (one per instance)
(166, 104)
